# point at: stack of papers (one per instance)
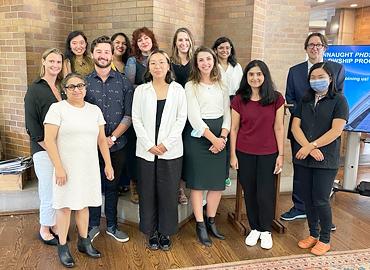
(16, 165)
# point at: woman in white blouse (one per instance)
(159, 115)
(231, 70)
(205, 139)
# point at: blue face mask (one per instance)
(320, 85)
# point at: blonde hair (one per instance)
(43, 57)
(195, 74)
(175, 51)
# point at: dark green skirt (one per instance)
(203, 170)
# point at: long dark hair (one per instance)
(68, 54)
(332, 89)
(232, 57)
(267, 91)
(127, 53)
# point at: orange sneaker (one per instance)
(308, 242)
(320, 248)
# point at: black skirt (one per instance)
(202, 169)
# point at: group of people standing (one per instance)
(166, 122)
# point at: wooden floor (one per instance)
(20, 248)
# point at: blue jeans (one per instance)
(44, 170)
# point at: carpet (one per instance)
(336, 260)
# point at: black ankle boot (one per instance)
(211, 226)
(65, 256)
(202, 234)
(84, 246)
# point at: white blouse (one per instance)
(144, 109)
(207, 102)
(232, 77)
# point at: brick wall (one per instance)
(26, 30)
(233, 19)
(168, 15)
(96, 17)
(13, 78)
(362, 26)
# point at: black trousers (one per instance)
(158, 182)
(110, 189)
(296, 198)
(316, 185)
(256, 176)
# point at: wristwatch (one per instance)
(113, 138)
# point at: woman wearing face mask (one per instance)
(143, 43)
(182, 53)
(43, 92)
(231, 73)
(159, 116)
(204, 140)
(257, 145)
(76, 55)
(317, 125)
(122, 50)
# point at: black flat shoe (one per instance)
(57, 236)
(51, 242)
(65, 256)
(165, 242)
(153, 241)
(84, 246)
(202, 234)
(211, 226)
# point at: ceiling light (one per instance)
(321, 1)
(353, 5)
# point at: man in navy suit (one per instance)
(297, 84)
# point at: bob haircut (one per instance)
(127, 53)
(232, 57)
(175, 52)
(195, 74)
(136, 35)
(68, 51)
(267, 90)
(323, 39)
(332, 89)
(101, 39)
(43, 57)
(148, 76)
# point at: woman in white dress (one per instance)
(73, 130)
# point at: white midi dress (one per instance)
(78, 150)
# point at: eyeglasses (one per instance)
(71, 87)
(318, 46)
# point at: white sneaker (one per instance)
(252, 238)
(266, 240)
